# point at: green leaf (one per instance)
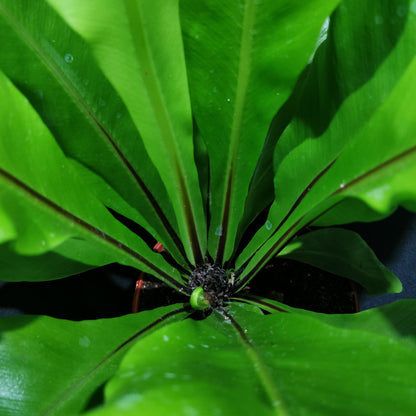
(343, 253)
(243, 58)
(83, 111)
(53, 367)
(279, 364)
(44, 203)
(142, 56)
(374, 195)
(71, 257)
(396, 320)
(315, 172)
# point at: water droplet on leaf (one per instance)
(84, 341)
(379, 20)
(69, 58)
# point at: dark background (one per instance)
(394, 242)
(108, 291)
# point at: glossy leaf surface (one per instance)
(52, 367)
(353, 44)
(44, 203)
(243, 58)
(343, 253)
(82, 110)
(357, 149)
(69, 258)
(95, 118)
(271, 364)
(142, 56)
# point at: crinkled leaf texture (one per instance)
(243, 362)
(346, 155)
(142, 168)
(96, 125)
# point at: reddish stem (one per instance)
(158, 248)
(355, 295)
(138, 288)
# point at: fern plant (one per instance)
(193, 121)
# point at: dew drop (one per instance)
(129, 401)
(170, 375)
(268, 225)
(228, 100)
(68, 58)
(342, 185)
(165, 338)
(218, 231)
(379, 20)
(84, 342)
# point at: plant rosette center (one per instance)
(211, 287)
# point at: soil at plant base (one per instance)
(303, 286)
(287, 281)
(108, 291)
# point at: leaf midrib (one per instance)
(86, 227)
(260, 368)
(77, 99)
(54, 70)
(163, 120)
(78, 384)
(243, 75)
(295, 227)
